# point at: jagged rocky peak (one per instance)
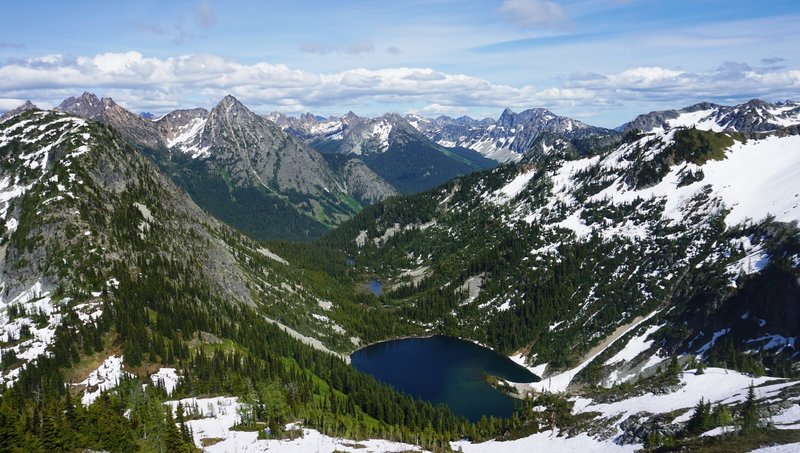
(86, 105)
(394, 117)
(507, 117)
(375, 135)
(28, 105)
(231, 106)
(231, 111)
(308, 117)
(351, 118)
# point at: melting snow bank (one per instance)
(221, 413)
(548, 441)
(27, 339)
(715, 385)
(166, 377)
(788, 448)
(106, 376)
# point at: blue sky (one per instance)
(602, 61)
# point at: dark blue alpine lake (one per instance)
(445, 370)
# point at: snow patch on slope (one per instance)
(549, 441)
(561, 381)
(715, 385)
(166, 377)
(220, 414)
(105, 377)
(28, 338)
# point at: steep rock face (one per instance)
(88, 167)
(256, 151)
(255, 176)
(27, 105)
(180, 125)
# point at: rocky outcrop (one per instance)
(364, 184)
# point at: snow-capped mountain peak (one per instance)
(753, 116)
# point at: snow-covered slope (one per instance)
(182, 130)
(214, 419)
(753, 116)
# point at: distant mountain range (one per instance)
(312, 172)
(506, 139)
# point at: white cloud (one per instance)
(9, 104)
(438, 109)
(533, 13)
(162, 84)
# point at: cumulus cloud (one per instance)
(161, 84)
(533, 13)
(730, 80)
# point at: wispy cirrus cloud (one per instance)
(183, 28)
(355, 48)
(204, 15)
(11, 45)
(533, 13)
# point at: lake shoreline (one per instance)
(401, 337)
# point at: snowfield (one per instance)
(715, 385)
(221, 413)
(547, 441)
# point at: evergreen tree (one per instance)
(701, 418)
(749, 411)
